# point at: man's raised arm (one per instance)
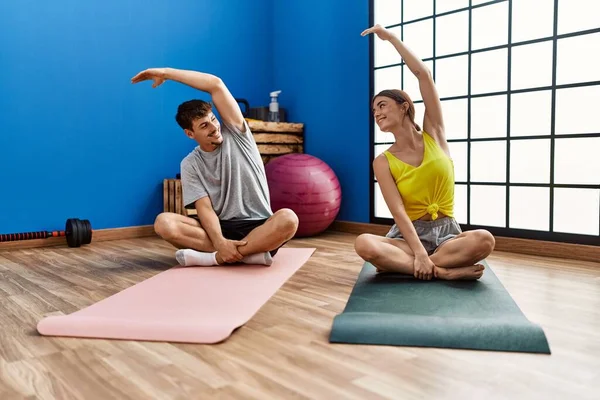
(226, 105)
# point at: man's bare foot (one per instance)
(471, 273)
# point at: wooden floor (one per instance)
(283, 352)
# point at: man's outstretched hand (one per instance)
(158, 75)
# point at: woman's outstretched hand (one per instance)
(380, 31)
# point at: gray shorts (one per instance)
(431, 233)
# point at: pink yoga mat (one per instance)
(182, 304)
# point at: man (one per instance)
(224, 179)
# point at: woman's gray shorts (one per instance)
(431, 233)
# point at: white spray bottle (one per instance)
(274, 107)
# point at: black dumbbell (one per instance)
(77, 232)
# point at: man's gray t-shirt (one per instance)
(233, 176)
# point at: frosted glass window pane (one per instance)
(577, 110)
(380, 148)
(488, 116)
(530, 208)
(578, 59)
(414, 9)
(488, 205)
(489, 26)
(530, 161)
(382, 136)
(488, 161)
(475, 2)
(419, 38)
(460, 203)
(455, 118)
(419, 113)
(387, 12)
(577, 161)
(577, 15)
(489, 71)
(452, 33)
(458, 152)
(450, 5)
(388, 78)
(530, 113)
(532, 19)
(452, 76)
(381, 208)
(531, 65)
(384, 51)
(576, 211)
(411, 83)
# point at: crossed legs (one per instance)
(455, 259)
(187, 233)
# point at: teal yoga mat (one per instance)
(395, 309)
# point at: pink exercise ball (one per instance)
(309, 187)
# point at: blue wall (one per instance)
(321, 64)
(76, 138)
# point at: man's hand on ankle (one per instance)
(227, 251)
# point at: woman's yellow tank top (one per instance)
(428, 188)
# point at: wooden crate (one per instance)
(275, 139)
(173, 198)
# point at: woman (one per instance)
(416, 177)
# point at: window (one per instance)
(519, 82)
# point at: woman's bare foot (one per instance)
(470, 273)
